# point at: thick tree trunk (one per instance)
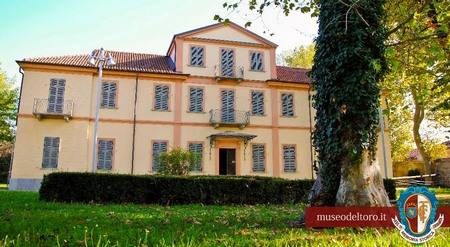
(419, 115)
(362, 185)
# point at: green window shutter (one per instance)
(157, 149)
(196, 99)
(198, 149)
(50, 152)
(256, 59)
(257, 103)
(227, 62)
(109, 94)
(105, 154)
(56, 96)
(161, 98)
(197, 55)
(258, 155)
(287, 103)
(289, 157)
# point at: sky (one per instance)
(32, 28)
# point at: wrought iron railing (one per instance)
(229, 118)
(45, 108)
(237, 75)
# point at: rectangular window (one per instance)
(157, 148)
(259, 157)
(289, 158)
(161, 98)
(105, 154)
(257, 103)
(195, 99)
(287, 105)
(197, 56)
(56, 96)
(227, 62)
(50, 152)
(109, 94)
(228, 115)
(256, 61)
(198, 149)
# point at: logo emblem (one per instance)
(417, 208)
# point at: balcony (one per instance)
(221, 74)
(42, 108)
(219, 118)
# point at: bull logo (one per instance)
(417, 209)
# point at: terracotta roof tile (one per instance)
(125, 61)
(289, 74)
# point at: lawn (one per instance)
(26, 221)
(442, 194)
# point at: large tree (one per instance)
(419, 58)
(300, 57)
(8, 108)
(348, 65)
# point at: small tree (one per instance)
(177, 162)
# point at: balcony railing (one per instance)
(43, 108)
(234, 75)
(229, 118)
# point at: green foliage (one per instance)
(164, 190)
(301, 57)
(434, 149)
(8, 108)
(177, 162)
(419, 81)
(389, 186)
(346, 76)
(112, 188)
(4, 168)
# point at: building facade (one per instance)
(217, 91)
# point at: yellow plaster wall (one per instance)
(226, 33)
(212, 58)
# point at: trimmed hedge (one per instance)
(166, 190)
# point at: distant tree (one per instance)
(418, 54)
(8, 108)
(300, 57)
(177, 162)
(434, 149)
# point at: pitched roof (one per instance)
(150, 63)
(289, 74)
(125, 61)
(231, 24)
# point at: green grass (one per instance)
(26, 221)
(442, 194)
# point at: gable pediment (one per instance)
(226, 32)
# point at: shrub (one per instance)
(177, 162)
(166, 190)
(4, 168)
(389, 186)
(414, 172)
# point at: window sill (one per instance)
(251, 70)
(263, 115)
(48, 168)
(197, 112)
(288, 116)
(197, 66)
(289, 171)
(161, 110)
(109, 108)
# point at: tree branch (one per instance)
(410, 17)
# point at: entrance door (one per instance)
(56, 96)
(227, 161)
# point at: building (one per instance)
(217, 91)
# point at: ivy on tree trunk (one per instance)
(348, 66)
